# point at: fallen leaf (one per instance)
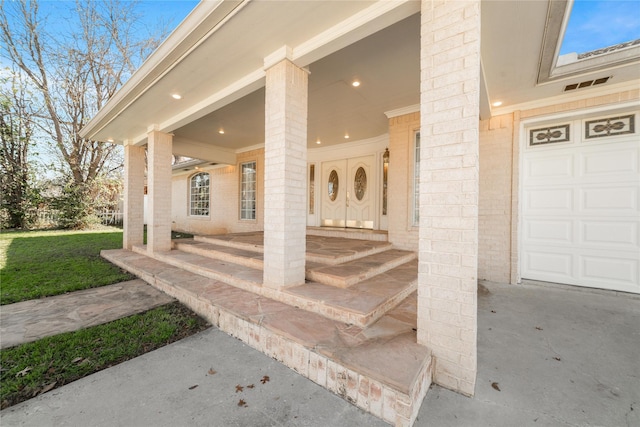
(193, 386)
(212, 371)
(250, 386)
(239, 388)
(557, 358)
(538, 328)
(495, 386)
(23, 372)
(241, 402)
(49, 387)
(265, 379)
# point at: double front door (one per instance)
(348, 193)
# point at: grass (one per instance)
(34, 264)
(34, 368)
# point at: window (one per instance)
(248, 190)
(416, 180)
(199, 195)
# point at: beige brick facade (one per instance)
(158, 181)
(402, 232)
(448, 246)
(133, 232)
(494, 206)
(285, 183)
(224, 212)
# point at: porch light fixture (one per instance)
(176, 96)
(221, 131)
(497, 103)
(385, 156)
(346, 136)
(355, 83)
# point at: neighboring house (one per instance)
(380, 115)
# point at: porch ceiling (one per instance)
(216, 64)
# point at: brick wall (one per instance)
(494, 205)
(224, 206)
(402, 233)
(448, 245)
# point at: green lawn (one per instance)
(34, 264)
(34, 368)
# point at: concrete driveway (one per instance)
(547, 356)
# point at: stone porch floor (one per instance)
(378, 367)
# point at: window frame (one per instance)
(192, 199)
(243, 200)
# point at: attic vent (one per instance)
(587, 83)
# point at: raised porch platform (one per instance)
(351, 329)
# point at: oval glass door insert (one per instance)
(333, 185)
(360, 183)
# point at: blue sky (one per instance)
(596, 24)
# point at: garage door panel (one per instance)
(545, 168)
(609, 200)
(618, 271)
(549, 231)
(610, 234)
(599, 164)
(550, 200)
(550, 265)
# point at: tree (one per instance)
(16, 130)
(75, 75)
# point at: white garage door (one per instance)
(580, 203)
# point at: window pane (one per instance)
(248, 191)
(199, 195)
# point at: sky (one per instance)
(597, 24)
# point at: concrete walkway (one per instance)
(546, 357)
(34, 319)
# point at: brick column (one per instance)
(448, 248)
(159, 191)
(285, 184)
(133, 196)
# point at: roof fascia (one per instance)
(203, 20)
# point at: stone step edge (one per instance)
(348, 281)
(221, 255)
(166, 257)
(310, 257)
(393, 406)
(333, 312)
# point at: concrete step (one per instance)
(237, 275)
(349, 273)
(349, 233)
(381, 368)
(319, 249)
(248, 258)
(361, 304)
(244, 241)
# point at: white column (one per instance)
(133, 221)
(159, 191)
(285, 184)
(448, 247)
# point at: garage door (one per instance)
(580, 203)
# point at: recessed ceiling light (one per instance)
(110, 140)
(318, 142)
(346, 136)
(176, 96)
(221, 131)
(355, 83)
(497, 103)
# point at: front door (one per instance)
(348, 193)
